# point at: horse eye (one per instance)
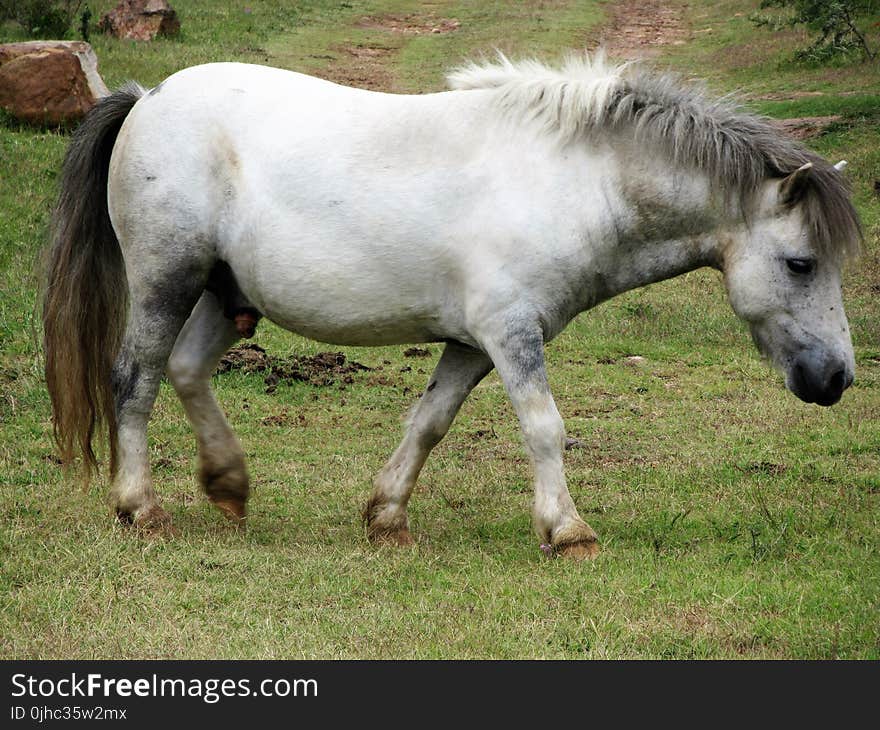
(800, 266)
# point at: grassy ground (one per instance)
(736, 521)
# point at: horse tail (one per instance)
(85, 297)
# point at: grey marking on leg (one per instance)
(178, 291)
(523, 344)
(124, 380)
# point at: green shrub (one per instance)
(835, 23)
(41, 18)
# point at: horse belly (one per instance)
(362, 322)
(348, 295)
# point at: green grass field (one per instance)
(736, 521)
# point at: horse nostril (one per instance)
(837, 383)
(816, 378)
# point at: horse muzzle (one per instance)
(816, 377)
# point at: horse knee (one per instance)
(544, 435)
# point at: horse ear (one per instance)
(793, 187)
(841, 166)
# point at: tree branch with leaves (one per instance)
(835, 22)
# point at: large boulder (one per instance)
(140, 20)
(49, 82)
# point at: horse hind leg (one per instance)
(159, 306)
(207, 334)
(457, 373)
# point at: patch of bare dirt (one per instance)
(786, 95)
(800, 127)
(361, 66)
(410, 24)
(323, 369)
(642, 28)
(366, 66)
(805, 127)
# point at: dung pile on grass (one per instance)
(323, 369)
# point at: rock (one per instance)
(574, 443)
(140, 20)
(49, 82)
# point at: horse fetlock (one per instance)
(224, 480)
(554, 513)
(227, 485)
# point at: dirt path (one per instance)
(636, 29)
(367, 65)
(363, 66)
(646, 28)
(641, 29)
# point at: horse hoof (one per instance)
(397, 537)
(235, 510)
(581, 550)
(385, 527)
(150, 522)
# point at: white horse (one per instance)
(486, 217)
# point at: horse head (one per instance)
(782, 269)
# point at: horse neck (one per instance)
(668, 222)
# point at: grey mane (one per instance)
(737, 149)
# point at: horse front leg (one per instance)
(518, 355)
(457, 373)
